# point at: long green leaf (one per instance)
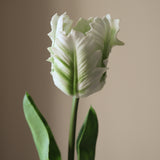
(86, 141)
(42, 135)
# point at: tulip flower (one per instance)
(79, 54)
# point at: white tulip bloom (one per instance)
(79, 54)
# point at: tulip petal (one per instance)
(59, 24)
(105, 32)
(82, 25)
(75, 64)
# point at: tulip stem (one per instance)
(72, 130)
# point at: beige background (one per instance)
(128, 107)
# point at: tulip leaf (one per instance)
(42, 134)
(86, 141)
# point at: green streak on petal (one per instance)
(63, 62)
(64, 49)
(103, 77)
(61, 73)
(75, 79)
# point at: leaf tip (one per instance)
(26, 95)
(92, 110)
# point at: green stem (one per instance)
(72, 130)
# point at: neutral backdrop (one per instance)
(128, 107)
